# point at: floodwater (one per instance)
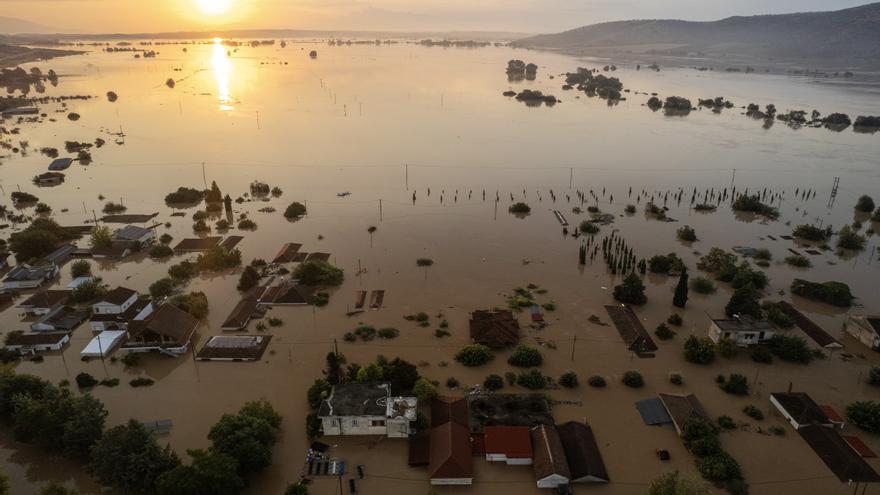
(387, 122)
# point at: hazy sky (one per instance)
(107, 16)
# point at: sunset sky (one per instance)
(105, 16)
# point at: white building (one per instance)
(32, 343)
(742, 330)
(103, 344)
(366, 409)
(115, 302)
(800, 410)
(866, 329)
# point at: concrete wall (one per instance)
(349, 425)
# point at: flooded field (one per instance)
(416, 135)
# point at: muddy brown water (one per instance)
(351, 121)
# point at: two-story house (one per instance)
(366, 409)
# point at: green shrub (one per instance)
(80, 268)
(791, 348)
(141, 382)
(163, 287)
(676, 379)
(525, 357)
(763, 254)
(811, 233)
(295, 210)
(865, 415)
(275, 322)
(726, 422)
(631, 291)
(702, 285)
(452, 382)
(848, 238)
(798, 261)
(834, 293)
(753, 204)
(532, 380)
(493, 382)
(160, 251)
(424, 262)
(318, 273)
(736, 384)
(633, 379)
(388, 333)
(85, 380)
(663, 332)
(520, 208)
(675, 319)
(365, 332)
(753, 412)
(474, 355)
(726, 348)
(761, 354)
(699, 350)
(865, 204)
(687, 234)
(569, 379)
(596, 381)
(719, 467)
(588, 227)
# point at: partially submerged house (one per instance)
(140, 310)
(234, 348)
(450, 459)
(49, 179)
(585, 464)
(29, 277)
(681, 408)
(743, 330)
(60, 164)
(103, 344)
(32, 343)
(838, 455)
(133, 235)
(286, 294)
(865, 329)
(550, 464)
(60, 255)
(494, 328)
(60, 319)
(511, 445)
(43, 302)
(242, 313)
(366, 409)
(800, 410)
(167, 329)
(115, 302)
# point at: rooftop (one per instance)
(549, 453)
(45, 299)
(241, 314)
(34, 338)
(515, 442)
(451, 455)
(494, 328)
(356, 399)
(131, 233)
(801, 407)
(118, 296)
(446, 409)
(287, 253)
(582, 452)
(28, 273)
(682, 408)
(197, 244)
(63, 318)
(743, 323)
(234, 348)
(838, 455)
(631, 329)
(167, 320)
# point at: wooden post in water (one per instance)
(573, 343)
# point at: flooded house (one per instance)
(119, 308)
(550, 464)
(865, 329)
(450, 452)
(29, 277)
(800, 410)
(44, 302)
(48, 179)
(32, 343)
(60, 255)
(167, 330)
(742, 329)
(366, 409)
(585, 463)
(134, 236)
(511, 445)
(495, 329)
(60, 319)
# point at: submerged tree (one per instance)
(681, 290)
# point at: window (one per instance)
(354, 423)
(377, 423)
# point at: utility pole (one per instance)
(204, 176)
(406, 168)
(570, 176)
(380, 210)
(192, 349)
(573, 344)
(335, 347)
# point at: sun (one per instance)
(214, 7)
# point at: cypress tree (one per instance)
(681, 290)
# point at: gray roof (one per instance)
(744, 324)
(356, 399)
(64, 318)
(26, 272)
(131, 233)
(60, 254)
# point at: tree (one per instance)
(162, 288)
(675, 483)
(249, 278)
(493, 382)
(247, 437)
(319, 391)
(532, 380)
(744, 301)
(791, 348)
(726, 347)
(294, 210)
(633, 379)
(40, 238)
(424, 390)
(214, 195)
(194, 303)
(681, 290)
(160, 251)
(297, 489)
(210, 473)
(129, 458)
(4, 482)
(370, 373)
(80, 268)
(101, 237)
(569, 379)
(631, 291)
(865, 204)
(89, 290)
(402, 375)
(474, 355)
(699, 350)
(736, 384)
(525, 357)
(318, 273)
(334, 371)
(865, 415)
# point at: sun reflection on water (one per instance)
(222, 72)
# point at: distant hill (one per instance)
(851, 35)
(12, 25)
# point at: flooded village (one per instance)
(306, 265)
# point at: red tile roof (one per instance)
(832, 414)
(513, 441)
(494, 328)
(446, 409)
(859, 446)
(451, 455)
